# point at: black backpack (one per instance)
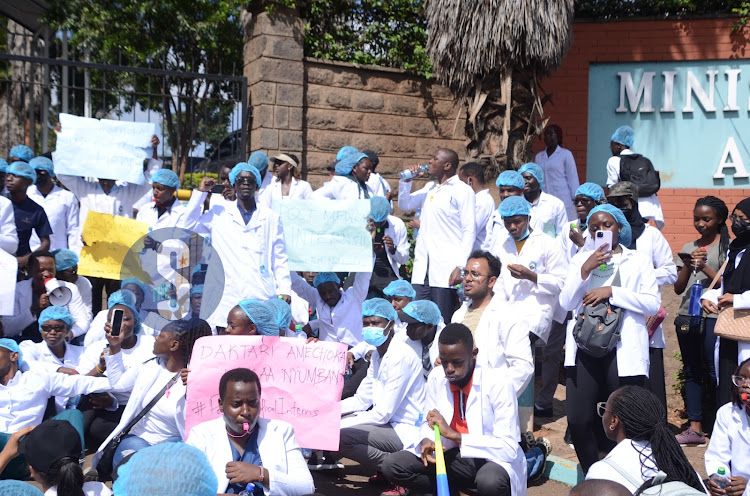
(640, 171)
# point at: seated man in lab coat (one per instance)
(477, 414)
(388, 406)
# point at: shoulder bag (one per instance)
(597, 330)
(732, 323)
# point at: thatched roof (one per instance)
(470, 38)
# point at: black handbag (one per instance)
(104, 467)
(597, 329)
(686, 324)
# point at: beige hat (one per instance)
(286, 158)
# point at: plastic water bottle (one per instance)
(696, 291)
(417, 216)
(248, 489)
(461, 293)
(407, 174)
(720, 478)
(348, 373)
(299, 332)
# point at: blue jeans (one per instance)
(697, 357)
(131, 443)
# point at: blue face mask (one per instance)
(375, 336)
(525, 235)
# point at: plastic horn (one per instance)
(442, 476)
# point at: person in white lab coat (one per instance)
(66, 269)
(60, 205)
(634, 418)
(165, 210)
(651, 242)
(502, 340)
(380, 187)
(350, 182)
(259, 160)
(588, 282)
(385, 414)
(252, 318)
(8, 232)
(509, 183)
(620, 143)
(249, 240)
(286, 183)
(400, 293)
(587, 196)
(472, 173)
(559, 167)
(446, 232)
(420, 327)
(244, 448)
(476, 411)
(547, 212)
(730, 439)
(390, 245)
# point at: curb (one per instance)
(562, 470)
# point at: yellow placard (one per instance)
(108, 241)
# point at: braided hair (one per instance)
(722, 212)
(644, 418)
(187, 333)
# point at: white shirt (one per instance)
(730, 443)
(265, 181)
(649, 206)
(253, 255)
(120, 199)
(485, 207)
(396, 230)
(22, 317)
(379, 186)
(8, 232)
(173, 216)
(90, 488)
(627, 455)
(560, 177)
(392, 393)
(638, 294)
(39, 356)
(85, 289)
(298, 190)
(548, 215)
(96, 329)
(61, 207)
(160, 424)
(343, 188)
(496, 233)
(342, 323)
(447, 231)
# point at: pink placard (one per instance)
(301, 383)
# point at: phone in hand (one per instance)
(686, 257)
(116, 321)
(601, 238)
(218, 188)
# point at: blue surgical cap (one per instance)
(592, 190)
(346, 164)
(282, 311)
(3, 165)
(22, 169)
(378, 307)
(11, 345)
(18, 488)
(166, 177)
(43, 163)
(424, 311)
(624, 135)
(21, 152)
(626, 232)
(510, 178)
(241, 167)
(535, 171)
(126, 298)
(197, 289)
(137, 282)
(180, 466)
(344, 151)
(55, 313)
(259, 160)
(260, 315)
(65, 259)
(324, 277)
(400, 287)
(514, 205)
(380, 208)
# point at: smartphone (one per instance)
(218, 188)
(601, 238)
(116, 321)
(685, 256)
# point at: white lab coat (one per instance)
(278, 449)
(253, 256)
(22, 316)
(536, 302)
(396, 230)
(379, 186)
(8, 231)
(730, 443)
(392, 393)
(649, 206)
(120, 199)
(61, 207)
(298, 190)
(38, 356)
(485, 206)
(265, 181)
(447, 231)
(548, 215)
(638, 294)
(496, 234)
(560, 177)
(85, 289)
(503, 342)
(492, 419)
(174, 216)
(416, 346)
(627, 455)
(342, 188)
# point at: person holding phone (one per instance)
(390, 245)
(590, 281)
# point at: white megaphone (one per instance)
(59, 295)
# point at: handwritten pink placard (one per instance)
(301, 383)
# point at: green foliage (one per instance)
(742, 10)
(406, 269)
(387, 33)
(618, 9)
(191, 180)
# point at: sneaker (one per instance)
(544, 444)
(324, 462)
(393, 490)
(90, 475)
(378, 479)
(689, 437)
(542, 412)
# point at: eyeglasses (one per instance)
(587, 200)
(57, 328)
(601, 407)
(245, 180)
(475, 275)
(740, 381)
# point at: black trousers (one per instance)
(656, 379)
(97, 285)
(98, 424)
(359, 372)
(445, 298)
(592, 380)
(405, 469)
(727, 366)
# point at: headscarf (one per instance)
(65, 259)
(535, 171)
(737, 279)
(514, 205)
(324, 277)
(625, 233)
(54, 312)
(166, 177)
(592, 190)
(22, 169)
(378, 307)
(260, 315)
(624, 135)
(259, 160)
(126, 298)
(43, 163)
(21, 152)
(242, 167)
(400, 287)
(633, 215)
(380, 208)
(510, 178)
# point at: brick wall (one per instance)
(638, 41)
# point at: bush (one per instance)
(192, 180)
